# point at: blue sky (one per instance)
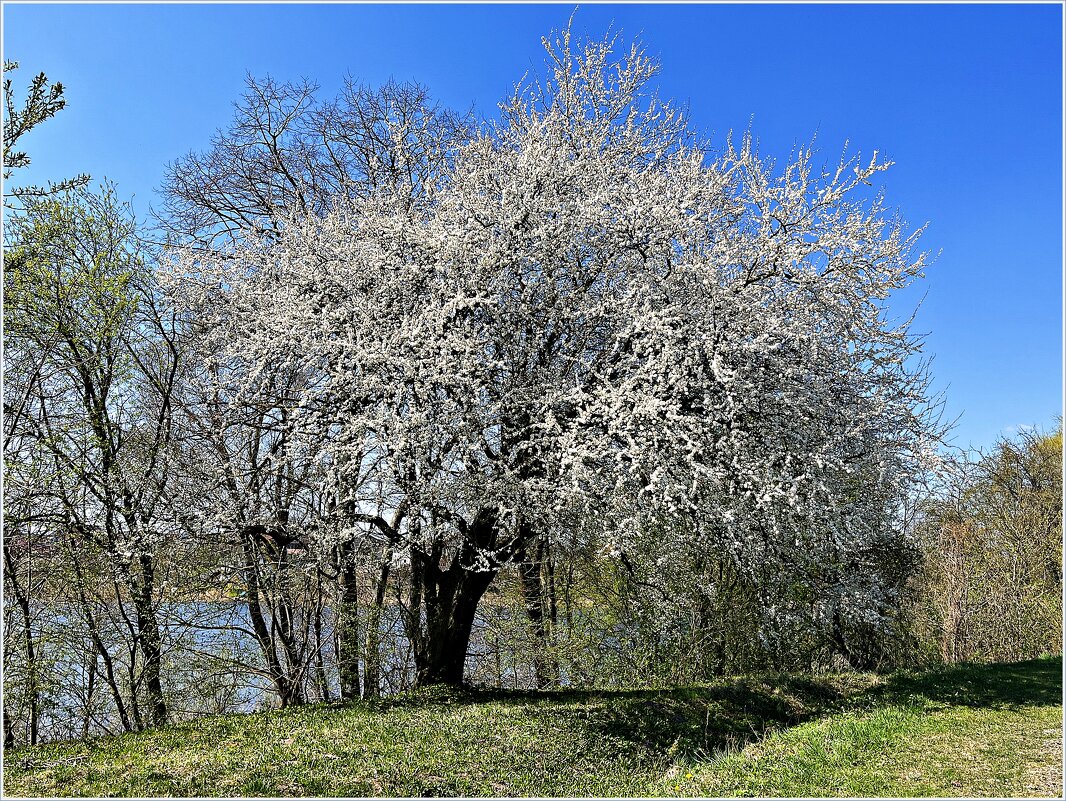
(966, 99)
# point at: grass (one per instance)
(971, 731)
(967, 731)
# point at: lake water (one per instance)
(213, 664)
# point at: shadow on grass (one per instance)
(676, 721)
(1036, 682)
(711, 718)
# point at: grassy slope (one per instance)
(971, 731)
(991, 730)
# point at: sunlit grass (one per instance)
(968, 731)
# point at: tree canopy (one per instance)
(586, 323)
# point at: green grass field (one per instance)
(969, 731)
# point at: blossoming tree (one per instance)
(587, 324)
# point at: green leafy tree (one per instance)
(92, 365)
(42, 102)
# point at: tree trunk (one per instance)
(320, 668)
(9, 732)
(32, 692)
(856, 660)
(449, 623)
(282, 620)
(99, 650)
(372, 675)
(23, 602)
(288, 691)
(348, 623)
(539, 610)
(151, 641)
(450, 598)
(90, 686)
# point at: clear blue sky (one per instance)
(967, 100)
